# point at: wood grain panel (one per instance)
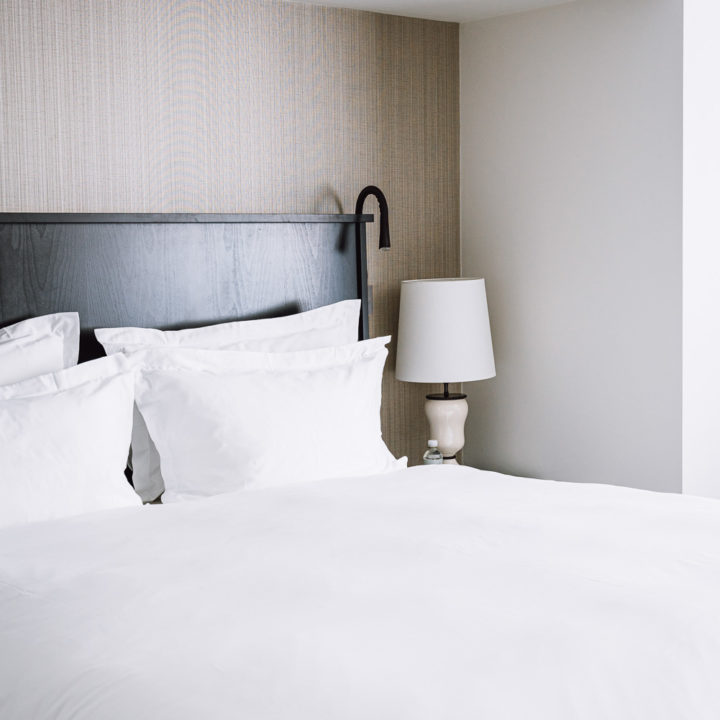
(171, 275)
(253, 106)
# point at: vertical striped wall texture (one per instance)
(244, 106)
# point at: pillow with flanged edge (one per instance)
(63, 443)
(227, 420)
(331, 325)
(39, 345)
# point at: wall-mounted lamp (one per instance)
(384, 224)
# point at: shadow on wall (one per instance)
(327, 201)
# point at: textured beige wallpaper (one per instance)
(245, 106)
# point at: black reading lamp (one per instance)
(384, 224)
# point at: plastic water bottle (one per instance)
(432, 455)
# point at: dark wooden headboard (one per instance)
(177, 271)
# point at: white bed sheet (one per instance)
(432, 592)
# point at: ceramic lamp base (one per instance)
(446, 416)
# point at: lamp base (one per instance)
(446, 416)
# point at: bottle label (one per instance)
(437, 460)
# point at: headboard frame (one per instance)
(173, 271)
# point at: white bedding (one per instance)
(436, 593)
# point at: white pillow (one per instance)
(63, 452)
(327, 326)
(65, 379)
(225, 420)
(39, 345)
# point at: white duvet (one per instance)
(436, 593)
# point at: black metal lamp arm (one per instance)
(384, 223)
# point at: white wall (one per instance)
(701, 250)
(571, 151)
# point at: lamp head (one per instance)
(384, 222)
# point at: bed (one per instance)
(429, 592)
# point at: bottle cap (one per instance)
(432, 443)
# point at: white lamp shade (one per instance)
(444, 331)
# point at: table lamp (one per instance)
(444, 337)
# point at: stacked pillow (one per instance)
(64, 433)
(335, 324)
(225, 420)
(40, 345)
(237, 405)
(262, 402)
